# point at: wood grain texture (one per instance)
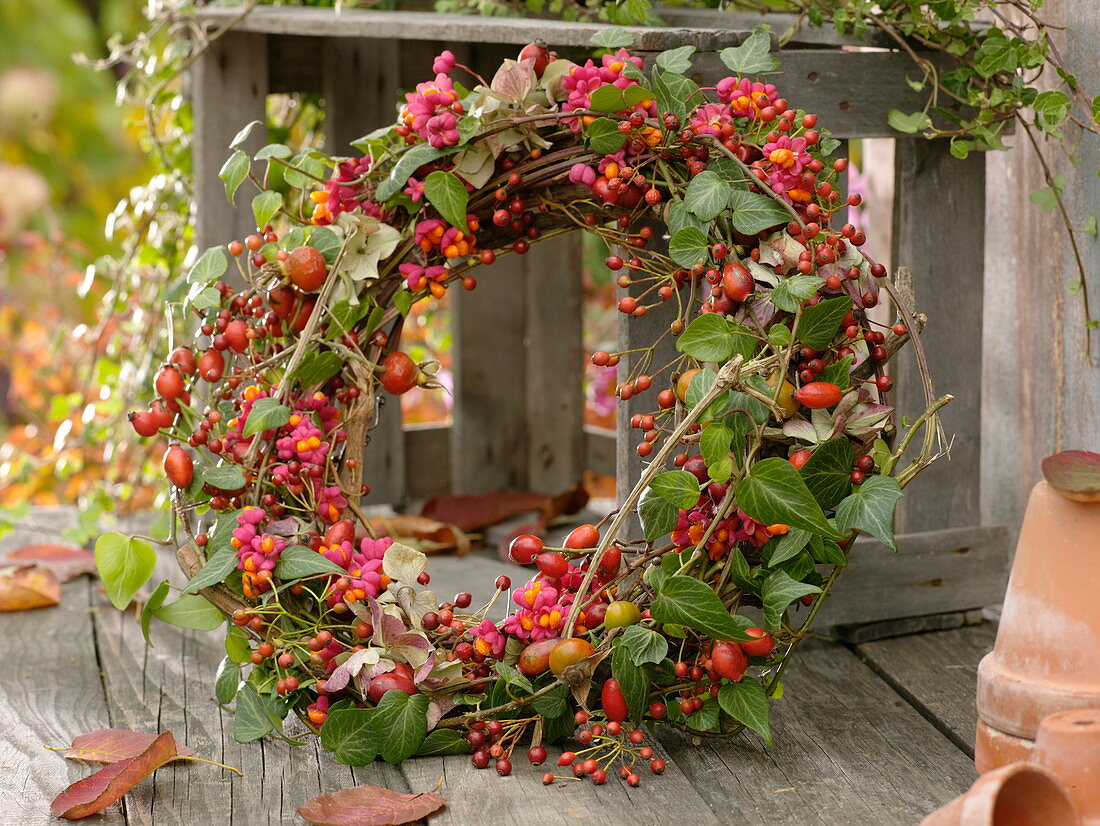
(933, 572)
(228, 90)
(937, 674)
(848, 750)
(939, 231)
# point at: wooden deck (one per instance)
(880, 733)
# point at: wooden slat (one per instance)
(937, 674)
(847, 750)
(51, 689)
(457, 28)
(428, 460)
(933, 572)
(229, 89)
(939, 232)
(803, 33)
(599, 450)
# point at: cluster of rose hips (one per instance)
(605, 744)
(716, 662)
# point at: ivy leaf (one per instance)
(224, 477)
(448, 195)
(553, 704)
(821, 322)
(206, 298)
(265, 205)
(211, 266)
(685, 600)
(707, 195)
(714, 442)
(400, 724)
(871, 509)
(773, 492)
(1049, 196)
(191, 611)
(223, 556)
(409, 161)
(244, 134)
(789, 546)
(644, 645)
(348, 734)
(604, 136)
(712, 337)
(751, 57)
(236, 645)
(747, 702)
(778, 592)
(706, 718)
(233, 172)
(274, 150)
(657, 515)
(827, 552)
(633, 680)
(838, 373)
(317, 368)
(677, 487)
(266, 414)
(252, 718)
(513, 677)
(1051, 109)
(441, 743)
(908, 124)
(678, 217)
(156, 599)
(124, 565)
(326, 242)
(795, 290)
(673, 91)
(753, 212)
(227, 681)
(827, 473)
(371, 806)
(996, 54)
(688, 247)
(676, 60)
(298, 562)
(612, 38)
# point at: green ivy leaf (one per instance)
(612, 38)
(205, 299)
(871, 509)
(827, 552)
(191, 611)
(409, 161)
(233, 172)
(312, 166)
(778, 592)
(788, 546)
(298, 562)
(348, 734)
(1051, 109)
(1049, 196)
(838, 373)
(821, 322)
(400, 724)
(908, 124)
(156, 599)
(685, 600)
(227, 680)
(443, 742)
(216, 569)
(753, 212)
(211, 266)
(326, 242)
(714, 442)
(676, 60)
(753, 56)
(236, 645)
(996, 54)
(789, 294)
(747, 702)
(274, 150)
(679, 218)
(827, 473)
(265, 205)
(677, 487)
(773, 493)
(553, 704)
(611, 98)
(403, 301)
(604, 136)
(253, 717)
(124, 565)
(688, 247)
(448, 195)
(673, 92)
(712, 337)
(266, 414)
(644, 645)
(633, 680)
(513, 677)
(317, 368)
(706, 718)
(244, 134)
(707, 195)
(658, 517)
(224, 477)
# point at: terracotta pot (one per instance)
(1069, 745)
(1044, 659)
(1021, 794)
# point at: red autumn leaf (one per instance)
(63, 560)
(109, 745)
(425, 534)
(1075, 474)
(28, 587)
(369, 806)
(470, 512)
(97, 792)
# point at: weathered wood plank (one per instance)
(944, 248)
(229, 89)
(937, 674)
(848, 750)
(51, 689)
(458, 28)
(933, 572)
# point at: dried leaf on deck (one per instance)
(369, 806)
(109, 745)
(97, 792)
(25, 587)
(427, 535)
(65, 561)
(471, 512)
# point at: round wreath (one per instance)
(773, 415)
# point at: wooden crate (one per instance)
(518, 406)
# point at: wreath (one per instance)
(770, 442)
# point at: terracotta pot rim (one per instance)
(1015, 704)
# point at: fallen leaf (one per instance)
(109, 745)
(369, 806)
(26, 587)
(65, 561)
(1075, 474)
(470, 512)
(97, 792)
(427, 535)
